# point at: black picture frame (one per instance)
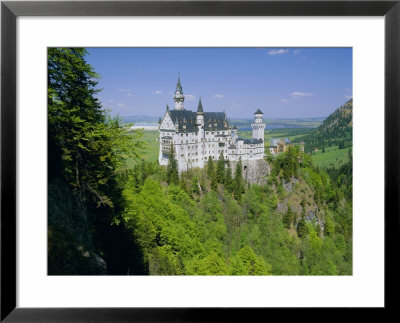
(10, 10)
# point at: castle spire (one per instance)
(200, 107)
(179, 85)
(179, 97)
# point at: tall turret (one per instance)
(179, 98)
(258, 126)
(200, 114)
(200, 133)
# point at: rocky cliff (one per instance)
(70, 246)
(254, 171)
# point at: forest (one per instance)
(111, 216)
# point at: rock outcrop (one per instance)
(70, 246)
(254, 171)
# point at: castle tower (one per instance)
(200, 125)
(200, 114)
(258, 126)
(179, 98)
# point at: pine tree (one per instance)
(228, 177)
(302, 229)
(85, 145)
(211, 174)
(288, 217)
(220, 175)
(172, 168)
(238, 187)
(210, 167)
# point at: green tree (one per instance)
(195, 186)
(302, 228)
(210, 264)
(228, 177)
(238, 184)
(87, 146)
(212, 174)
(246, 262)
(172, 168)
(329, 227)
(210, 167)
(288, 217)
(220, 174)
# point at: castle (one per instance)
(196, 136)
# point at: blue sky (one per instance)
(282, 82)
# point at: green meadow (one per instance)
(151, 146)
(333, 156)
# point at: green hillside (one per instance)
(336, 130)
(331, 157)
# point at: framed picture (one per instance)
(356, 42)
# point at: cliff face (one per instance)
(254, 171)
(70, 246)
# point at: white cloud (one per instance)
(129, 94)
(284, 100)
(189, 97)
(121, 105)
(297, 51)
(278, 51)
(218, 96)
(347, 90)
(124, 90)
(297, 93)
(348, 96)
(158, 92)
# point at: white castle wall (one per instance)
(193, 149)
